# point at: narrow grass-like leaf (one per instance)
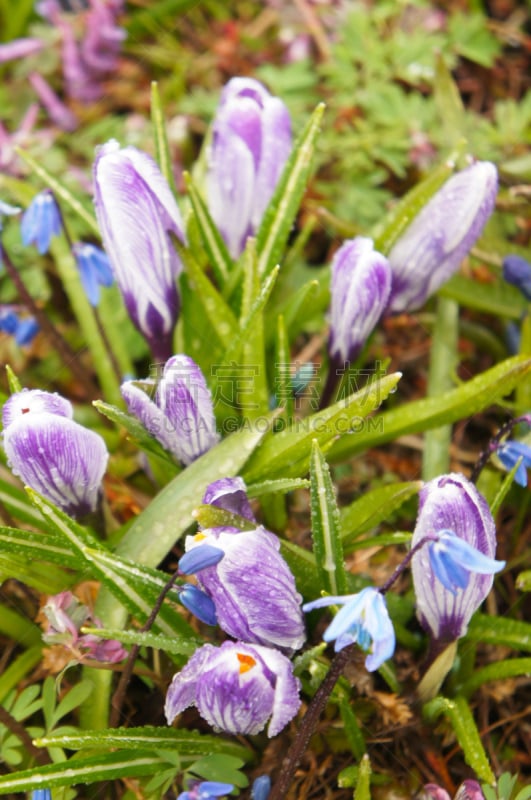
(373, 507)
(215, 308)
(161, 139)
(17, 503)
(280, 485)
(471, 397)
(326, 530)
(363, 786)
(158, 641)
(148, 738)
(220, 260)
(90, 769)
(13, 381)
(352, 729)
(287, 454)
(405, 211)
(36, 547)
(17, 627)
(498, 671)
(393, 539)
(252, 357)
(498, 298)
(282, 210)
(60, 191)
(64, 526)
(503, 491)
(501, 631)
(137, 432)
(213, 517)
(36, 574)
(283, 386)
(18, 669)
(302, 564)
(459, 715)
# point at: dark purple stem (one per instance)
(495, 443)
(405, 562)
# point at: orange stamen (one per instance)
(246, 662)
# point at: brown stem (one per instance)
(18, 730)
(119, 695)
(68, 356)
(309, 723)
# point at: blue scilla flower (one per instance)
(517, 270)
(41, 221)
(510, 453)
(199, 603)
(453, 560)
(41, 794)
(363, 619)
(94, 268)
(206, 790)
(24, 329)
(261, 788)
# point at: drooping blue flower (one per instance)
(360, 286)
(94, 269)
(261, 788)
(180, 415)
(252, 586)
(517, 270)
(137, 215)
(510, 453)
(454, 560)
(51, 453)
(41, 794)
(24, 329)
(200, 558)
(451, 503)
(363, 619)
(206, 790)
(250, 145)
(236, 688)
(431, 249)
(199, 603)
(41, 221)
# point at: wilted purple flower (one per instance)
(205, 790)
(94, 269)
(250, 146)
(441, 235)
(66, 615)
(137, 215)
(363, 619)
(451, 503)
(24, 329)
(236, 688)
(433, 792)
(469, 790)
(360, 286)
(510, 453)
(58, 112)
(251, 585)
(517, 270)
(181, 414)
(51, 453)
(40, 221)
(230, 494)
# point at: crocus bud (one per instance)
(180, 415)
(138, 215)
(51, 453)
(250, 145)
(441, 235)
(230, 494)
(364, 619)
(360, 286)
(41, 221)
(251, 585)
(236, 688)
(451, 503)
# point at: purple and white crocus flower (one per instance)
(51, 453)
(237, 688)
(251, 143)
(137, 215)
(431, 249)
(360, 287)
(180, 414)
(363, 619)
(453, 571)
(251, 585)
